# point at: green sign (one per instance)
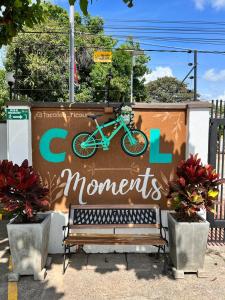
(17, 114)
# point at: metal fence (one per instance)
(217, 159)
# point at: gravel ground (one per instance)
(117, 276)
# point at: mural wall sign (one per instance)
(108, 177)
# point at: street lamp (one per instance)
(10, 80)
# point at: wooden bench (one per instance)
(113, 216)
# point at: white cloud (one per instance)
(200, 4)
(159, 72)
(221, 97)
(206, 96)
(216, 4)
(212, 75)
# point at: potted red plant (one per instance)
(195, 188)
(23, 196)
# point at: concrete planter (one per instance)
(29, 248)
(187, 242)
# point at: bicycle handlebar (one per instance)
(117, 109)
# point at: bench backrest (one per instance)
(102, 216)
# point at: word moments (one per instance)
(146, 184)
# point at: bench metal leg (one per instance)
(158, 253)
(69, 253)
(166, 262)
(64, 260)
(65, 255)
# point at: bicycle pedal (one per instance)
(105, 149)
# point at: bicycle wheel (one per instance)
(80, 151)
(140, 143)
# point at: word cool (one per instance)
(58, 133)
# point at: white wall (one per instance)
(3, 141)
(19, 138)
(198, 132)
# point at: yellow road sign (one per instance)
(102, 56)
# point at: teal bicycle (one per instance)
(133, 142)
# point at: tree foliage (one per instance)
(15, 14)
(42, 61)
(4, 95)
(168, 89)
(4, 92)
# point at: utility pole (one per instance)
(132, 77)
(17, 51)
(133, 62)
(71, 79)
(195, 74)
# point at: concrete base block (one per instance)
(41, 275)
(13, 277)
(178, 274)
(29, 245)
(201, 273)
(188, 242)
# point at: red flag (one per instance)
(76, 80)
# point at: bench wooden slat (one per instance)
(109, 239)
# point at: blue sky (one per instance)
(211, 67)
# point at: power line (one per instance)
(177, 30)
(218, 41)
(182, 29)
(168, 48)
(198, 22)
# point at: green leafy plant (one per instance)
(21, 192)
(43, 71)
(168, 90)
(196, 187)
(14, 14)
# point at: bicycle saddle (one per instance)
(94, 117)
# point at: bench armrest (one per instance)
(65, 229)
(164, 229)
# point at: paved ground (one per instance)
(116, 276)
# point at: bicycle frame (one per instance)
(105, 141)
